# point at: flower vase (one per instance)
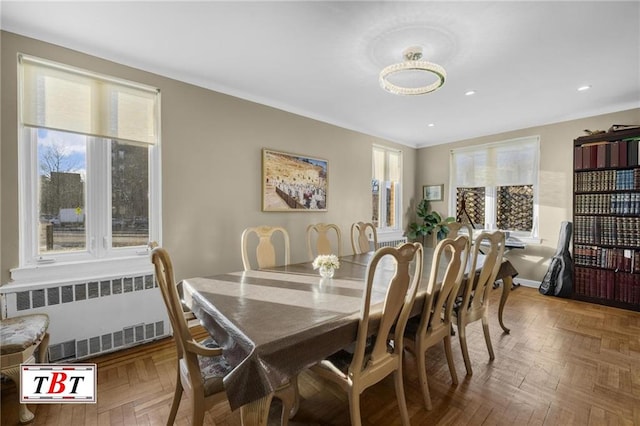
(326, 271)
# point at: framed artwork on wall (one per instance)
(293, 182)
(433, 192)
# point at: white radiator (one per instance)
(390, 241)
(89, 318)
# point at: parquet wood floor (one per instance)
(564, 363)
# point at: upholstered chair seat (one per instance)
(20, 338)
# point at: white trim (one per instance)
(49, 275)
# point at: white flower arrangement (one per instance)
(326, 260)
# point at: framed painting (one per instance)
(433, 192)
(293, 182)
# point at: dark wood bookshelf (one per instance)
(606, 217)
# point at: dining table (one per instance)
(273, 323)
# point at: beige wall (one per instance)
(556, 179)
(211, 165)
(211, 159)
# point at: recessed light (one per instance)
(583, 88)
(470, 92)
(430, 125)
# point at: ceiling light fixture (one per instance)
(412, 62)
(583, 88)
(470, 93)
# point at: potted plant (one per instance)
(431, 222)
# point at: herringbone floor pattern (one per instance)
(564, 363)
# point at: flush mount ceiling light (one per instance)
(413, 64)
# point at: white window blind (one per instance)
(59, 97)
(513, 162)
(495, 185)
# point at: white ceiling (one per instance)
(321, 60)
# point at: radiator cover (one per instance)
(94, 317)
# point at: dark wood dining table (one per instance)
(274, 323)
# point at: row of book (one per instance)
(627, 203)
(618, 259)
(599, 155)
(607, 230)
(607, 284)
(607, 180)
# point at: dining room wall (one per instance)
(211, 165)
(555, 180)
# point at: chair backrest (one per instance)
(491, 246)
(265, 249)
(454, 253)
(322, 244)
(362, 234)
(400, 295)
(456, 227)
(183, 338)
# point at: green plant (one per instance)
(431, 222)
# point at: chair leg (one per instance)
(296, 397)
(354, 408)
(487, 337)
(465, 351)
(43, 355)
(422, 376)
(24, 415)
(288, 395)
(402, 402)
(449, 354)
(256, 412)
(177, 395)
(197, 413)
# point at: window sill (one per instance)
(45, 275)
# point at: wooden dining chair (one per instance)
(473, 304)
(265, 249)
(189, 316)
(201, 366)
(320, 232)
(456, 227)
(370, 363)
(434, 324)
(362, 234)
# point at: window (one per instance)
(386, 189)
(495, 186)
(89, 165)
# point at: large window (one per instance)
(495, 186)
(89, 165)
(386, 190)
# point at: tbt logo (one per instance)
(58, 383)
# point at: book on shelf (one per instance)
(622, 154)
(577, 157)
(603, 155)
(615, 154)
(632, 151)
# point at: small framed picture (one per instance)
(433, 192)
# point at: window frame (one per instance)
(99, 258)
(385, 232)
(490, 208)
